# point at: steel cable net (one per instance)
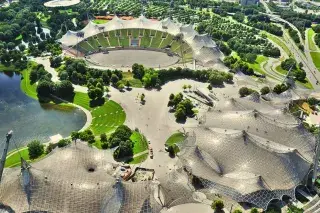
(249, 155)
(75, 179)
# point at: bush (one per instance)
(104, 145)
(63, 143)
(51, 147)
(36, 149)
(280, 88)
(87, 136)
(245, 91)
(265, 90)
(237, 211)
(124, 149)
(217, 205)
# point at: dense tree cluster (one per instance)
(46, 89)
(77, 72)
(236, 65)
(238, 37)
(95, 89)
(183, 107)
(280, 88)
(296, 71)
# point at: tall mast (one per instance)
(4, 154)
(316, 161)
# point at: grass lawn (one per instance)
(26, 87)
(106, 118)
(128, 76)
(14, 160)
(100, 21)
(312, 45)
(257, 65)
(138, 159)
(140, 142)
(279, 42)
(280, 70)
(316, 59)
(175, 138)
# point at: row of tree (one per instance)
(153, 78)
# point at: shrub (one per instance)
(36, 149)
(265, 90)
(245, 91)
(103, 137)
(237, 211)
(51, 147)
(217, 205)
(254, 210)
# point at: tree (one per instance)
(35, 149)
(50, 147)
(75, 135)
(209, 87)
(189, 87)
(280, 88)
(138, 71)
(171, 97)
(217, 205)
(45, 88)
(184, 87)
(22, 47)
(142, 98)
(120, 87)
(288, 64)
(103, 137)
(216, 79)
(64, 89)
(55, 61)
(128, 84)
(114, 79)
(254, 210)
(124, 149)
(63, 143)
(300, 75)
(180, 114)
(264, 90)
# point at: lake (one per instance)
(29, 119)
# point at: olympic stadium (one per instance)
(150, 42)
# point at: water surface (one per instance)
(29, 119)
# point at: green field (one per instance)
(145, 40)
(312, 45)
(280, 70)
(26, 87)
(156, 40)
(15, 159)
(138, 159)
(140, 142)
(124, 41)
(106, 118)
(316, 59)
(257, 65)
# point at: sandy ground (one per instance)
(116, 58)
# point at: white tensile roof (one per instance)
(204, 48)
(61, 3)
(249, 151)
